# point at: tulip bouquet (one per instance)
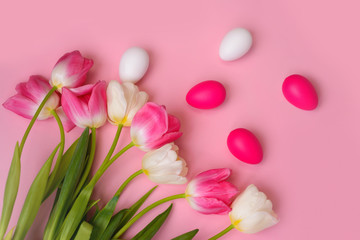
(72, 103)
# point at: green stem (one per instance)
(106, 165)
(89, 163)
(144, 211)
(126, 182)
(113, 145)
(42, 104)
(222, 233)
(61, 149)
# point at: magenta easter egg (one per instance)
(245, 146)
(206, 95)
(300, 92)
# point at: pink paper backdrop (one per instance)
(311, 159)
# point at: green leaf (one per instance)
(133, 209)
(114, 224)
(187, 236)
(123, 216)
(91, 204)
(103, 218)
(33, 199)
(84, 232)
(11, 190)
(68, 187)
(54, 181)
(153, 227)
(88, 163)
(76, 213)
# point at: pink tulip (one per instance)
(86, 105)
(152, 127)
(209, 193)
(29, 96)
(70, 71)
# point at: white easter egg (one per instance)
(235, 44)
(133, 64)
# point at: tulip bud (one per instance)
(210, 193)
(70, 70)
(86, 106)
(124, 101)
(152, 127)
(29, 96)
(252, 211)
(164, 166)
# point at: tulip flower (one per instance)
(70, 71)
(123, 102)
(29, 96)
(252, 212)
(86, 106)
(164, 166)
(152, 127)
(210, 193)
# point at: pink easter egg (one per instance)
(206, 95)
(245, 146)
(300, 92)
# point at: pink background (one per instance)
(311, 159)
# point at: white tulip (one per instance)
(164, 166)
(252, 211)
(123, 102)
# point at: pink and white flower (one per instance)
(86, 105)
(165, 166)
(209, 193)
(123, 102)
(152, 127)
(252, 211)
(70, 71)
(29, 96)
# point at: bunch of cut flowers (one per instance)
(71, 102)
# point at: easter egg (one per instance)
(300, 92)
(206, 95)
(235, 44)
(245, 146)
(133, 64)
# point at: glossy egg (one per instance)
(235, 44)
(206, 95)
(245, 146)
(133, 64)
(300, 92)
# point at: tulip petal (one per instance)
(208, 205)
(97, 104)
(174, 124)
(252, 211)
(223, 191)
(67, 123)
(169, 137)
(257, 222)
(75, 109)
(70, 70)
(149, 124)
(83, 90)
(21, 106)
(220, 174)
(141, 99)
(116, 102)
(35, 88)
